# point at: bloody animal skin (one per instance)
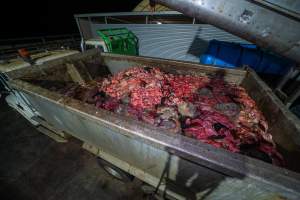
(214, 111)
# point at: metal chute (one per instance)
(269, 25)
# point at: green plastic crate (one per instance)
(120, 41)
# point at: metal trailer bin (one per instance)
(193, 170)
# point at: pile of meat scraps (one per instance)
(207, 109)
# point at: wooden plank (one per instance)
(75, 74)
(81, 67)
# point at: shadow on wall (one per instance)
(198, 46)
(192, 181)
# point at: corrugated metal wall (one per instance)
(173, 41)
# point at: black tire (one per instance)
(115, 171)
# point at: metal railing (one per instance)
(9, 47)
(164, 17)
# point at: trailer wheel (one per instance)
(115, 171)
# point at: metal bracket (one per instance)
(288, 100)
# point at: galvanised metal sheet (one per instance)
(199, 180)
(173, 41)
(204, 167)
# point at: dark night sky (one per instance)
(33, 18)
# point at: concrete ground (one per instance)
(33, 166)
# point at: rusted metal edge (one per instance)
(220, 160)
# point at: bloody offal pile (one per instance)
(207, 109)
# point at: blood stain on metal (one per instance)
(246, 16)
(266, 32)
